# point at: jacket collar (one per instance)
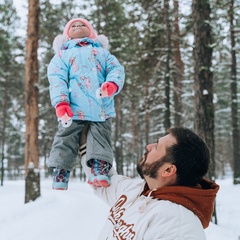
(79, 42)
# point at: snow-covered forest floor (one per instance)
(79, 214)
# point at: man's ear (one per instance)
(169, 170)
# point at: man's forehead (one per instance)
(168, 140)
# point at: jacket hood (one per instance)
(200, 199)
(79, 41)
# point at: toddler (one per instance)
(84, 77)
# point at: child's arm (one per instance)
(58, 80)
(59, 92)
(115, 75)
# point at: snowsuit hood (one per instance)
(61, 40)
(200, 199)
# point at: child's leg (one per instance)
(99, 144)
(63, 153)
(99, 153)
(83, 140)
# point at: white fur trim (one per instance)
(103, 40)
(61, 39)
(58, 42)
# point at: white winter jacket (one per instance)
(135, 216)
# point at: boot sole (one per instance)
(59, 186)
(98, 184)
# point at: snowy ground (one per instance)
(78, 214)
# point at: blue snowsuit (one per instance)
(75, 74)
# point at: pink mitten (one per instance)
(63, 108)
(109, 88)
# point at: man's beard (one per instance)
(140, 165)
(149, 169)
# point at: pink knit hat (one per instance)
(92, 35)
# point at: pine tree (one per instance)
(32, 186)
(203, 76)
(11, 88)
(234, 100)
(178, 70)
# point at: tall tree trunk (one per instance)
(134, 123)
(167, 121)
(179, 69)
(234, 102)
(32, 186)
(4, 119)
(118, 135)
(147, 106)
(203, 78)
(134, 129)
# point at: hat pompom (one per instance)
(103, 40)
(58, 42)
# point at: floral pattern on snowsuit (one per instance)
(75, 74)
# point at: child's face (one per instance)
(78, 30)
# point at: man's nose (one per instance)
(149, 147)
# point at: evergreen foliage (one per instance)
(141, 35)
(11, 91)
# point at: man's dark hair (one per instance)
(190, 155)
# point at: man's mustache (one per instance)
(144, 158)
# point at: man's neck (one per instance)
(160, 181)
